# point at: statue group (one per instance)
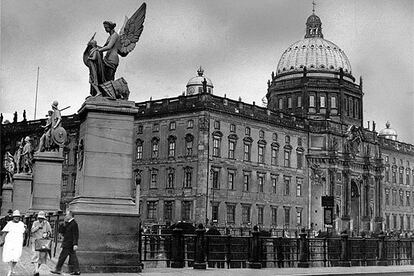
(102, 68)
(53, 138)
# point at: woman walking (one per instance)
(40, 230)
(13, 242)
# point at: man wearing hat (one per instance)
(40, 229)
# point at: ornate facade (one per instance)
(306, 156)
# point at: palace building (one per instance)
(305, 160)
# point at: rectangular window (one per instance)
(401, 198)
(260, 215)
(289, 102)
(231, 213)
(247, 151)
(66, 158)
(170, 179)
(171, 148)
(394, 221)
(333, 103)
(407, 198)
(280, 103)
(232, 128)
(401, 222)
(189, 148)
(246, 181)
(216, 124)
(152, 210)
(311, 101)
(274, 215)
(401, 176)
(154, 179)
(274, 156)
(64, 182)
(299, 157)
(215, 212)
(188, 174)
(140, 129)
(387, 197)
(274, 184)
(408, 222)
(245, 214)
(407, 180)
(286, 181)
(216, 178)
(139, 151)
(287, 216)
(230, 179)
(156, 127)
(387, 174)
(260, 184)
(216, 146)
(260, 151)
(172, 126)
(232, 147)
(168, 210)
(394, 197)
(186, 210)
(387, 221)
(299, 217)
(247, 131)
(299, 182)
(287, 158)
(394, 176)
(299, 101)
(190, 124)
(155, 149)
(323, 102)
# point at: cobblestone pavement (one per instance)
(24, 268)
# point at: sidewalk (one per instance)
(24, 268)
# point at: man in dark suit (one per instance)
(70, 233)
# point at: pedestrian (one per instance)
(40, 230)
(70, 233)
(13, 241)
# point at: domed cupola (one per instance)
(314, 79)
(388, 132)
(196, 85)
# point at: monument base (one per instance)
(108, 235)
(22, 189)
(6, 198)
(47, 179)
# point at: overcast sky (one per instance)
(238, 43)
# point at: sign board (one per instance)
(328, 201)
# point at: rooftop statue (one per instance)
(102, 68)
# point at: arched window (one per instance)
(155, 147)
(140, 148)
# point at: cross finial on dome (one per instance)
(313, 8)
(200, 71)
(387, 124)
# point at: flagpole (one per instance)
(37, 87)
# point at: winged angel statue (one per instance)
(102, 68)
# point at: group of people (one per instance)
(13, 235)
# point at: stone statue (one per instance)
(44, 144)
(102, 70)
(18, 156)
(55, 135)
(8, 164)
(27, 156)
(354, 137)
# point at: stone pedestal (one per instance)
(47, 181)
(6, 198)
(107, 217)
(22, 190)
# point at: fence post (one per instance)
(177, 250)
(381, 251)
(303, 250)
(344, 250)
(140, 263)
(200, 254)
(255, 249)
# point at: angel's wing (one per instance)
(132, 31)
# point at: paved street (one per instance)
(24, 268)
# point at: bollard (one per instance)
(255, 250)
(303, 250)
(200, 256)
(344, 250)
(177, 250)
(382, 261)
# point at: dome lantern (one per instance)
(388, 132)
(313, 25)
(196, 84)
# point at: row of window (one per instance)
(401, 200)
(394, 161)
(230, 184)
(187, 207)
(405, 224)
(393, 178)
